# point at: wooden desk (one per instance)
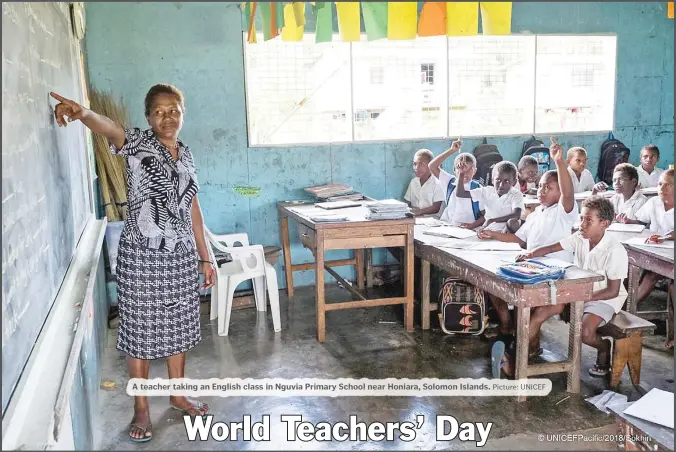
(658, 260)
(479, 269)
(637, 434)
(356, 234)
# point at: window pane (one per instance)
(297, 92)
(491, 85)
(575, 83)
(407, 98)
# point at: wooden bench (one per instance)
(627, 330)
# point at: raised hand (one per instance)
(457, 144)
(555, 150)
(68, 108)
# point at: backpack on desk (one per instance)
(462, 308)
(537, 149)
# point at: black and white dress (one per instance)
(157, 262)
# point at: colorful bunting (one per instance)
(670, 10)
(375, 19)
(462, 18)
(324, 31)
(279, 14)
(251, 36)
(348, 21)
(432, 19)
(496, 18)
(298, 14)
(269, 20)
(292, 32)
(402, 20)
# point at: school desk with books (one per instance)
(480, 268)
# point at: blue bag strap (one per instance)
(472, 185)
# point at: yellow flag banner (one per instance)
(291, 32)
(402, 18)
(348, 20)
(462, 18)
(251, 37)
(496, 18)
(432, 19)
(298, 14)
(670, 10)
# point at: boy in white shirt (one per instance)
(424, 195)
(502, 201)
(550, 222)
(577, 167)
(627, 199)
(596, 251)
(458, 212)
(648, 173)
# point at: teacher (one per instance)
(161, 246)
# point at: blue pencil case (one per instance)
(530, 271)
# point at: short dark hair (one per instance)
(628, 170)
(553, 173)
(527, 160)
(505, 166)
(465, 157)
(426, 153)
(669, 172)
(163, 88)
(652, 148)
(602, 205)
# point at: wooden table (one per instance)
(658, 260)
(479, 269)
(357, 234)
(638, 434)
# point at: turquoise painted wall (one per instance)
(198, 47)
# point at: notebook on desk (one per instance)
(331, 205)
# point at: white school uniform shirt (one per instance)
(608, 258)
(458, 210)
(585, 183)
(630, 206)
(497, 206)
(423, 196)
(648, 180)
(549, 225)
(661, 221)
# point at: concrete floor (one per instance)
(369, 343)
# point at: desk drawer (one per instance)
(307, 236)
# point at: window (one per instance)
(432, 87)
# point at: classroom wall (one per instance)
(198, 47)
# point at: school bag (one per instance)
(537, 149)
(472, 185)
(613, 152)
(486, 155)
(463, 308)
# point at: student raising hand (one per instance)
(456, 145)
(555, 150)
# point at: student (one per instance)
(658, 214)
(549, 223)
(577, 167)
(528, 175)
(502, 201)
(648, 173)
(459, 212)
(424, 195)
(627, 199)
(596, 251)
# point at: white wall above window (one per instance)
(434, 87)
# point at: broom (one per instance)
(112, 170)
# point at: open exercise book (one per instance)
(622, 227)
(641, 241)
(451, 232)
(657, 406)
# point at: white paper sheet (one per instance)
(554, 262)
(451, 231)
(641, 241)
(494, 245)
(428, 221)
(621, 227)
(657, 406)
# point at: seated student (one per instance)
(596, 251)
(424, 195)
(648, 173)
(502, 201)
(528, 175)
(458, 212)
(577, 167)
(549, 223)
(658, 214)
(627, 199)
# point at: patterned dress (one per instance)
(157, 263)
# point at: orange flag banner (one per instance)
(402, 20)
(251, 37)
(496, 18)
(432, 19)
(670, 10)
(462, 18)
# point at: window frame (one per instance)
(447, 104)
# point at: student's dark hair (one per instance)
(669, 172)
(505, 166)
(425, 153)
(652, 148)
(602, 205)
(551, 173)
(527, 160)
(162, 88)
(465, 157)
(627, 170)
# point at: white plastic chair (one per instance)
(248, 262)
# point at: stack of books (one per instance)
(325, 192)
(388, 209)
